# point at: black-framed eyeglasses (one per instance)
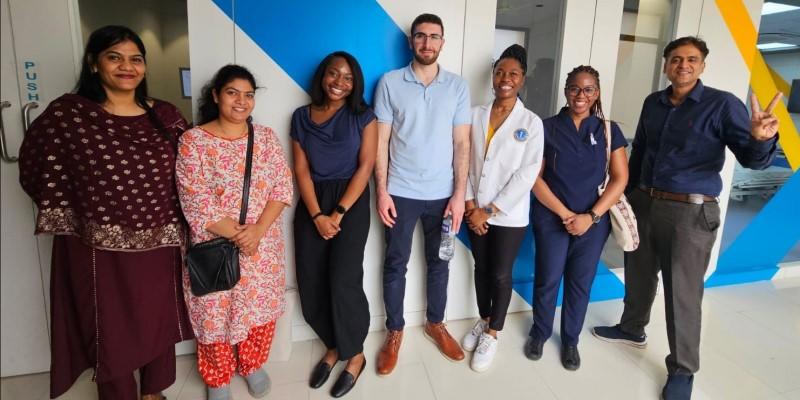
(574, 90)
(420, 37)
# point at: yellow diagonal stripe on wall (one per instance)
(765, 88)
(741, 26)
(782, 85)
(744, 34)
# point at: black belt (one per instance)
(691, 198)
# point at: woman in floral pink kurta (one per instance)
(210, 173)
(210, 176)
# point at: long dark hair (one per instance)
(89, 84)
(355, 100)
(209, 110)
(597, 108)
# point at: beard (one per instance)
(426, 61)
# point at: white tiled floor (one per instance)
(750, 350)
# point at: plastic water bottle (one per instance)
(447, 247)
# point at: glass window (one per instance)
(647, 26)
(536, 25)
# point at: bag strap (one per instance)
(248, 167)
(607, 129)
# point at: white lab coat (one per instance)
(506, 175)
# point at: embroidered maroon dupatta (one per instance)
(105, 178)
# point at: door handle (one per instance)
(26, 114)
(3, 146)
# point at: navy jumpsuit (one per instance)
(574, 166)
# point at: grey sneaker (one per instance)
(614, 334)
(258, 383)
(220, 393)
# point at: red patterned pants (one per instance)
(217, 363)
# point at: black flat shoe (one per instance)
(346, 382)
(533, 348)
(570, 358)
(320, 375)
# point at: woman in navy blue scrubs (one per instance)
(570, 220)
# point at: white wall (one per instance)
(209, 28)
(469, 26)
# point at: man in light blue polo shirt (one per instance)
(421, 172)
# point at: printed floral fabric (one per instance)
(210, 175)
(216, 362)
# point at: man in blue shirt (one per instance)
(674, 184)
(421, 173)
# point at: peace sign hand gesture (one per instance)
(763, 124)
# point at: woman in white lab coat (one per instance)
(506, 155)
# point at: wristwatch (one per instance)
(489, 210)
(340, 209)
(595, 217)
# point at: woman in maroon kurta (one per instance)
(99, 164)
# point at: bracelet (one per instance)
(313, 217)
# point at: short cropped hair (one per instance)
(695, 41)
(426, 18)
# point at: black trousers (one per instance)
(330, 273)
(676, 239)
(494, 255)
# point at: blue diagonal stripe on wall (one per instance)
(298, 34)
(754, 254)
(365, 30)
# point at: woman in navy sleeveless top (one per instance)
(334, 143)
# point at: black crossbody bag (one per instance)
(214, 264)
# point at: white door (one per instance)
(40, 59)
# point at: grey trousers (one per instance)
(676, 239)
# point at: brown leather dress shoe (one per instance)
(448, 346)
(387, 358)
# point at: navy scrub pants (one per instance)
(575, 258)
(398, 250)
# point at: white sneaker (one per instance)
(484, 353)
(470, 340)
